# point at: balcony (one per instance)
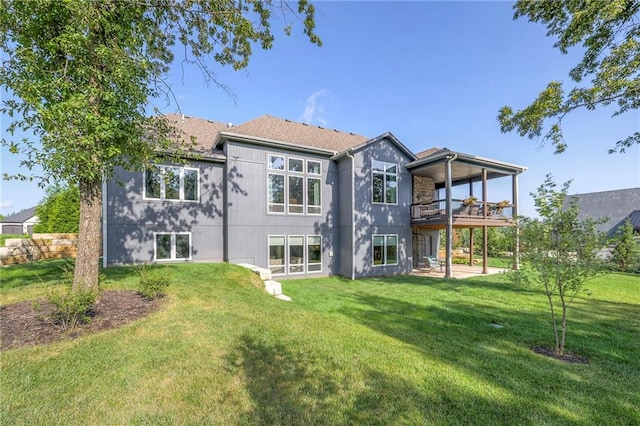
(468, 215)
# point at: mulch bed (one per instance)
(567, 357)
(29, 324)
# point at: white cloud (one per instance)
(6, 204)
(314, 111)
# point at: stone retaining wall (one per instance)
(39, 246)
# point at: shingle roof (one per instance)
(615, 205)
(428, 152)
(205, 131)
(634, 218)
(276, 129)
(21, 216)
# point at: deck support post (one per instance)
(514, 214)
(485, 235)
(449, 243)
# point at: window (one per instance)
(385, 249)
(275, 193)
(385, 182)
(276, 162)
(296, 194)
(296, 165)
(313, 196)
(292, 190)
(314, 167)
(295, 254)
(314, 253)
(171, 183)
(173, 246)
(276, 254)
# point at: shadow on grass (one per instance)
(288, 386)
(459, 333)
(26, 274)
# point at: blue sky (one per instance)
(432, 73)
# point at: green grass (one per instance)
(401, 350)
(4, 237)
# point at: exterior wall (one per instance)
(425, 243)
(248, 222)
(344, 250)
(381, 219)
(131, 221)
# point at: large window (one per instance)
(385, 249)
(385, 182)
(294, 189)
(295, 254)
(173, 246)
(171, 183)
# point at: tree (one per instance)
(82, 74)
(59, 211)
(609, 31)
(626, 252)
(558, 253)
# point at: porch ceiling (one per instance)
(464, 167)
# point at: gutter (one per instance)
(104, 222)
(353, 214)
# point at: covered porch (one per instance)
(436, 173)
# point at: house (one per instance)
(615, 206)
(19, 223)
(297, 199)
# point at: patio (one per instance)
(457, 271)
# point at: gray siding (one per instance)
(131, 220)
(248, 222)
(374, 219)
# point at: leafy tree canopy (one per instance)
(609, 72)
(82, 73)
(626, 251)
(59, 211)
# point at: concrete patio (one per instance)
(457, 271)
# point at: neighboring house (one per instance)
(19, 223)
(615, 206)
(297, 199)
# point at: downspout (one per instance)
(104, 222)
(449, 242)
(353, 215)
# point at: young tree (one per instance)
(82, 74)
(626, 253)
(59, 211)
(609, 32)
(558, 253)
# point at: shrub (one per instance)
(71, 308)
(153, 283)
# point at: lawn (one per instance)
(401, 350)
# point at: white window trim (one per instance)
(285, 263)
(385, 174)
(384, 249)
(285, 189)
(304, 254)
(319, 163)
(173, 246)
(162, 197)
(306, 247)
(306, 195)
(304, 164)
(284, 162)
(287, 173)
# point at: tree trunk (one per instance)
(553, 319)
(564, 326)
(86, 275)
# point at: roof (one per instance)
(634, 219)
(464, 166)
(269, 128)
(20, 217)
(204, 131)
(616, 205)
